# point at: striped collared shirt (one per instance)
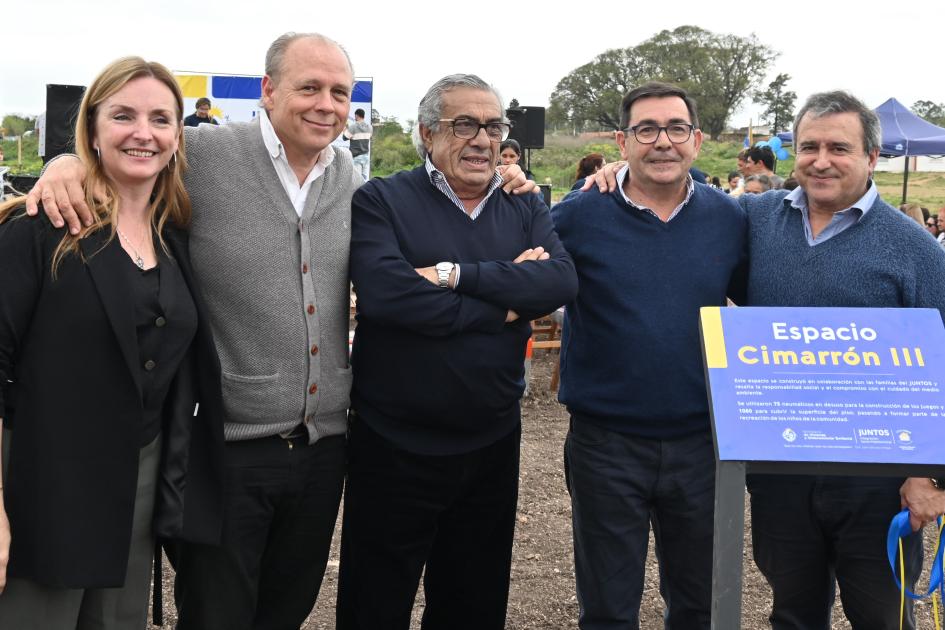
(438, 179)
(622, 177)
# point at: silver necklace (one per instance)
(138, 259)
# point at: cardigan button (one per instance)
(314, 349)
(313, 388)
(311, 309)
(304, 268)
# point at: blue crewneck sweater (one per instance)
(631, 359)
(438, 371)
(884, 260)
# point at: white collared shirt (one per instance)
(297, 194)
(622, 177)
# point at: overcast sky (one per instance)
(875, 50)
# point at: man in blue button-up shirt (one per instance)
(834, 242)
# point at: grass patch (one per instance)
(925, 189)
(32, 163)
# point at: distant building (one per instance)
(758, 133)
(917, 164)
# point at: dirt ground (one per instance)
(542, 592)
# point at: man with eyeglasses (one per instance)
(639, 451)
(449, 270)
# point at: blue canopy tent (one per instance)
(904, 134)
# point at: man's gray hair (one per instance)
(840, 102)
(431, 105)
(275, 56)
(764, 180)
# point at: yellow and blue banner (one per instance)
(236, 98)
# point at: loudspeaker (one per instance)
(528, 126)
(62, 107)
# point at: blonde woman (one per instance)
(914, 212)
(103, 355)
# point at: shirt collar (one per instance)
(798, 199)
(437, 175)
(274, 145)
(624, 172)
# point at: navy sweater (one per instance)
(631, 359)
(438, 371)
(884, 260)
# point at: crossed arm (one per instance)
(393, 292)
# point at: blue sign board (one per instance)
(856, 385)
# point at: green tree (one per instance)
(14, 125)
(392, 149)
(719, 71)
(932, 112)
(590, 95)
(385, 126)
(778, 102)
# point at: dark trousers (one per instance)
(620, 485)
(810, 533)
(279, 515)
(453, 514)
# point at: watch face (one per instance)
(444, 266)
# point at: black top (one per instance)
(194, 120)
(165, 322)
(71, 391)
(436, 371)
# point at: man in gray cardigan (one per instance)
(834, 242)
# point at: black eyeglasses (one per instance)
(646, 133)
(466, 128)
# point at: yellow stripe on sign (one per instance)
(713, 337)
(192, 85)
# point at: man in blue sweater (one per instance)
(648, 256)
(449, 270)
(834, 242)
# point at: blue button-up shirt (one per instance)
(840, 221)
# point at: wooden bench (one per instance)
(548, 328)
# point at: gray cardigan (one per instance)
(276, 287)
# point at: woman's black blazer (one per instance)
(68, 366)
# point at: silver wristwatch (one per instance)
(443, 271)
